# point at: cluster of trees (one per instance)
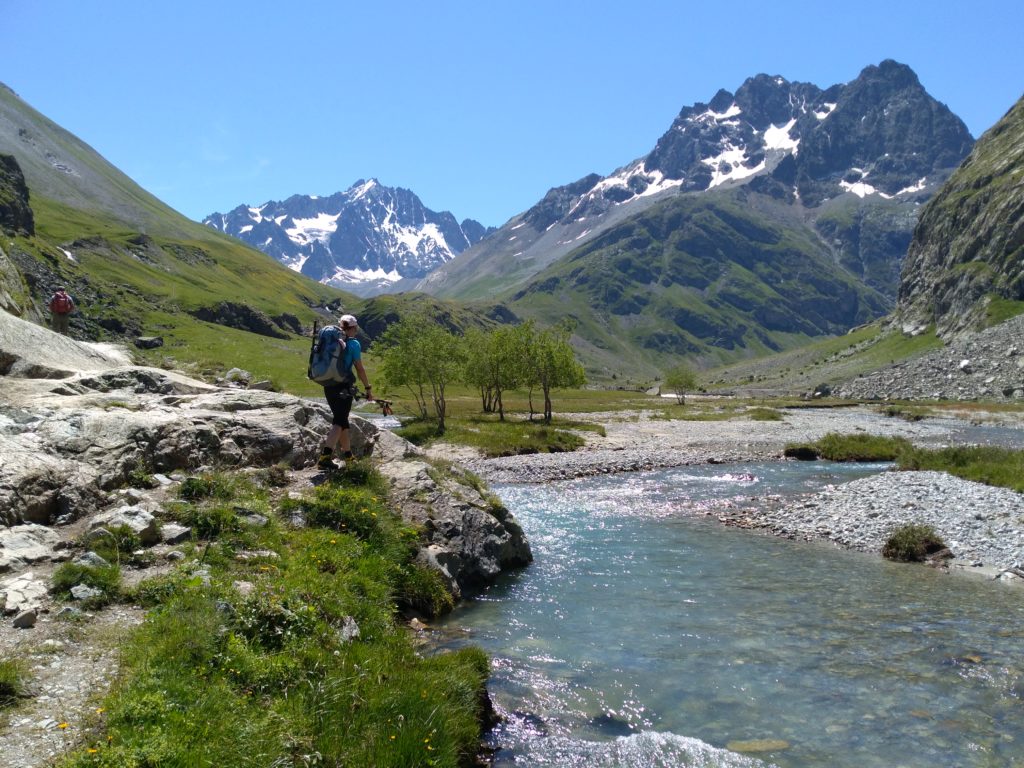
(426, 359)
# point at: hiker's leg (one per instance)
(340, 402)
(333, 435)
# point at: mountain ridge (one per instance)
(770, 132)
(367, 239)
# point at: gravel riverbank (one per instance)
(983, 526)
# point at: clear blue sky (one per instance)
(478, 106)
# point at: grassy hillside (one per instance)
(707, 278)
(823, 361)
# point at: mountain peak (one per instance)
(879, 136)
(366, 239)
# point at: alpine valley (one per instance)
(760, 220)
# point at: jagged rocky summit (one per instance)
(78, 423)
(880, 137)
(368, 239)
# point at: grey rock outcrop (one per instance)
(70, 439)
(470, 537)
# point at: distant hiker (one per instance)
(61, 306)
(339, 393)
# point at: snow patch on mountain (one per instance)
(729, 165)
(778, 137)
(318, 228)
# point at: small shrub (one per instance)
(141, 476)
(212, 521)
(13, 673)
(114, 544)
(274, 477)
(212, 485)
(271, 620)
(105, 578)
(912, 543)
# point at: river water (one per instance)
(648, 634)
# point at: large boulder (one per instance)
(30, 351)
(469, 537)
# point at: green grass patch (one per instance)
(511, 437)
(855, 447)
(1002, 467)
(912, 543)
(906, 412)
(764, 414)
(13, 680)
(115, 544)
(211, 485)
(307, 667)
(104, 578)
(1000, 310)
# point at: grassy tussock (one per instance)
(912, 543)
(13, 680)
(309, 665)
(856, 447)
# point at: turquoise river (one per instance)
(646, 633)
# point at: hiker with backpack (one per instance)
(61, 306)
(334, 355)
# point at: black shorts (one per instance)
(339, 398)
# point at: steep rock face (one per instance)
(968, 246)
(884, 131)
(366, 239)
(15, 213)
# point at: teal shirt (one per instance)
(353, 352)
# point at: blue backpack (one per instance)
(327, 356)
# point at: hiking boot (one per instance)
(324, 462)
(348, 457)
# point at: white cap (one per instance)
(347, 320)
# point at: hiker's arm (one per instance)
(361, 373)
